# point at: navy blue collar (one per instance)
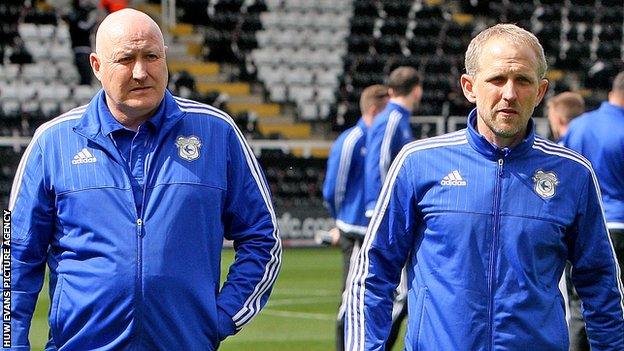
(491, 151)
(98, 120)
(361, 124)
(110, 124)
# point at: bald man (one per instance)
(128, 199)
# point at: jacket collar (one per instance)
(609, 108)
(97, 121)
(361, 124)
(394, 106)
(491, 151)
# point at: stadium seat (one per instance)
(9, 72)
(82, 94)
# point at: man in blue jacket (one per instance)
(485, 219)
(562, 109)
(599, 136)
(128, 200)
(389, 132)
(343, 189)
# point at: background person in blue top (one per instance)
(343, 189)
(562, 109)
(485, 219)
(599, 136)
(391, 129)
(389, 132)
(129, 205)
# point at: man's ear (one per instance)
(95, 65)
(467, 84)
(541, 90)
(418, 92)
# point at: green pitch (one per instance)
(300, 315)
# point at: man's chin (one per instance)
(506, 132)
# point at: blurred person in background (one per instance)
(111, 6)
(343, 189)
(390, 131)
(599, 136)
(484, 219)
(129, 200)
(82, 20)
(561, 109)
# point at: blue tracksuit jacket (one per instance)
(389, 133)
(343, 189)
(149, 280)
(485, 234)
(599, 136)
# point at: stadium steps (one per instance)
(184, 53)
(194, 68)
(318, 153)
(262, 109)
(287, 130)
(232, 89)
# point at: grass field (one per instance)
(300, 314)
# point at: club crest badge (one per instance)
(188, 147)
(545, 183)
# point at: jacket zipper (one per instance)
(493, 250)
(139, 277)
(140, 234)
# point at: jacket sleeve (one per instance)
(377, 271)
(32, 219)
(595, 273)
(249, 220)
(331, 176)
(372, 170)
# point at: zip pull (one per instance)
(500, 166)
(139, 223)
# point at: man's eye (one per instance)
(523, 80)
(497, 80)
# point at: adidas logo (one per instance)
(83, 156)
(453, 179)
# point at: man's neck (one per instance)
(403, 101)
(616, 100)
(497, 140)
(130, 120)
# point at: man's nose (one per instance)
(509, 91)
(139, 71)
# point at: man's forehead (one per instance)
(117, 31)
(134, 41)
(502, 54)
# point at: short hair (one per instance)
(403, 79)
(570, 104)
(374, 95)
(618, 83)
(511, 33)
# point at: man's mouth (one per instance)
(508, 111)
(139, 88)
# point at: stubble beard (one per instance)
(502, 130)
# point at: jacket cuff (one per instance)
(226, 326)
